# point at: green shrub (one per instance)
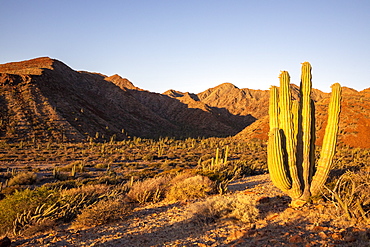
(20, 202)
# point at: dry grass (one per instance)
(149, 190)
(103, 212)
(238, 206)
(175, 175)
(23, 178)
(189, 188)
(88, 190)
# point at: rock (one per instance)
(295, 239)
(236, 235)
(5, 242)
(337, 236)
(350, 239)
(319, 228)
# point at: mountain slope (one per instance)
(354, 125)
(44, 99)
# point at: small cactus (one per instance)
(291, 145)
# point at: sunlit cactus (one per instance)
(291, 145)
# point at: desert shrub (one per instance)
(68, 204)
(109, 178)
(189, 188)
(66, 184)
(142, 174)
(23, 178)
(89, 190)
(78, 165)
(151, 189)
(147, 157)
(103, 212)
(237, 206)
(22, 201)
(350, 194)
(39, 227)
(102, 165)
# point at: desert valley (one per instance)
(92, 160)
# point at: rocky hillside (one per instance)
(354, 126)
(44, 99)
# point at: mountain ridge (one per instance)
(44, 99)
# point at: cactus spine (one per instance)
(291, 145)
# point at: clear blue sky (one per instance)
(192, 45)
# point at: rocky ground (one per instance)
(168, 224)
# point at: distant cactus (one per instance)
(291, 145)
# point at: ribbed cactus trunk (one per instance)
(291, 145)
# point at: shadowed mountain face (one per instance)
(44, 99)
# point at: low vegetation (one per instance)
(44, 185)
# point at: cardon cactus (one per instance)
(291, 144)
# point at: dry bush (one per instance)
(189, 188)
(95, 189)
(103, 212)
(182, 175)
(238, 206)
(78, 165)
(23, 178)
(351, 195)
(151, 189)
(44, 226)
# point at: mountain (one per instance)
(354, 125)
(44, 99)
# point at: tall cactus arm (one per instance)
(286, 124)
(329, 143)
(277, 169)
(274, 108)
(306, 86)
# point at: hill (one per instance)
(44, 99)
(354, 126)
